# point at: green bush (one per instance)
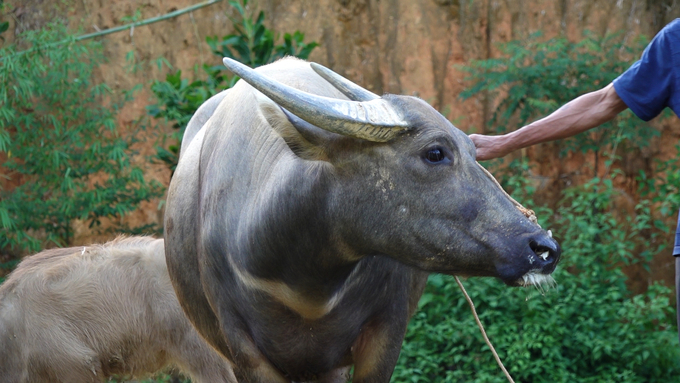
(172, 377)
(535, 77)
(65, 158)
(663, 187)
(252, 44)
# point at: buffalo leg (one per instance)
(376, 351)
(339, 375)
(250, 366)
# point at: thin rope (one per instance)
(530, 214)
(481, 328)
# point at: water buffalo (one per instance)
(306, 213)
(83, 314)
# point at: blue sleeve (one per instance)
(650, 84)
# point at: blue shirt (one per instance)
(653, 82)
(676, 248)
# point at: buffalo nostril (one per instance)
(543, 251)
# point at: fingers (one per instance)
(483, 148)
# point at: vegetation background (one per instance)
(610, 196)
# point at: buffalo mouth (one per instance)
(543, 258)
(533, 268)
(537, 279)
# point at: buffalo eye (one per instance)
(436, 155)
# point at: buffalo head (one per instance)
(405, 184)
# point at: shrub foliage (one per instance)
(252, 43)
(536, 76)
(63, 157)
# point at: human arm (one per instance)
(582, 113)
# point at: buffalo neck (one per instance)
(284, 238)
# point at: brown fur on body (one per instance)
(83, 314)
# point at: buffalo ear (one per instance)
(313, 134)
(304, 139)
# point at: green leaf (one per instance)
(253, 44)
(64, 136)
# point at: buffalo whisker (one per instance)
(541, 282)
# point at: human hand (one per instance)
(489, 147)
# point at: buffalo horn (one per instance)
(351, 90)
(375, 120)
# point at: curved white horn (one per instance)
(374, 120)
(351, 90)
